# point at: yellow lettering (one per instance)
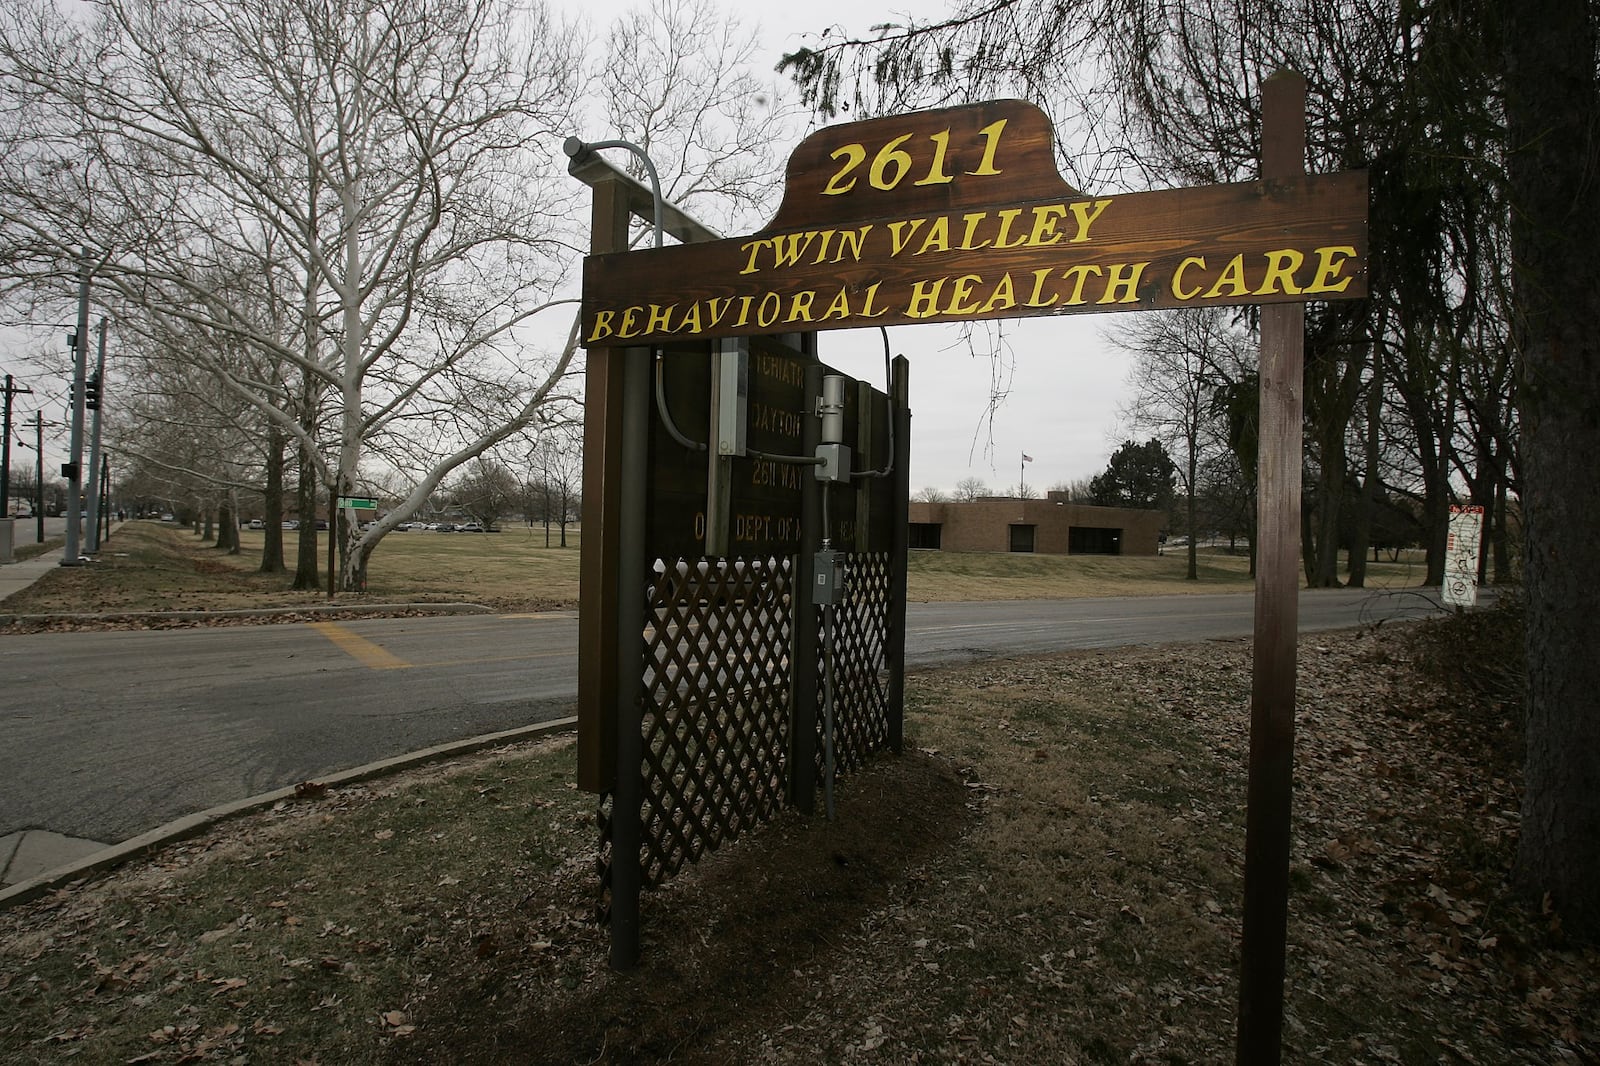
(1044, 225)
(771, 307)
(1085, 214)
(840, 307)
(718, 305)
(787, 248)
(691, 319)
(938, 239)
(1281, 265)
(900, 236)
(1002, 299)
(973, 220)
(660, 318)
(1177, 277)
(800, 306)
(752, 247)
(961, 291)
(850, 242)
(1008, 216)
(1078, 275)
(925, 300)
(602, 325)
(630, 322)
(872, 294)
(1127, 283)
(1232, 277)
(1035, 297)
(1328, 268)
(744, 310)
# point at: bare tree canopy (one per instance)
(351, 215)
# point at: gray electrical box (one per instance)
(827, 582)
(835, 465)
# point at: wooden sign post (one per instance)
(957, 215)
(1272, 699)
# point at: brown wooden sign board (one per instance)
(960, 214)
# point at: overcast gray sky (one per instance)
(1064, 382)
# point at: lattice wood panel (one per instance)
(860, 665)
(715, 714)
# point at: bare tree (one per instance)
(1180, 359)
(930, 494)
(971, 488)
(484, 491)
(383, 154)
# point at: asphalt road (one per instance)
(26, 530)
(104, 735)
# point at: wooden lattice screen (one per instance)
(860, 665)
(716, 701)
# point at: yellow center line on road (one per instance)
(360, 648)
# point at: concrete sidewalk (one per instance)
(14, 577)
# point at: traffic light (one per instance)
(91, 393)
(72, 393)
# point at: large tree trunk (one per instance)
(305, 567)
(1553, 125)
(272, 505)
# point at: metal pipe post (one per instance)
(72, 554)
(93, 506)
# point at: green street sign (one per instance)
(358, 503)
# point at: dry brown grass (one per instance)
(151, 566)
(1049, 875)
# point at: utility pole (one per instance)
(72, 555)
(93, 399)
(38, 477)
(105, 500)
(5, 459)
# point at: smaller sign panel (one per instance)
(1461, 556)
(358, 503)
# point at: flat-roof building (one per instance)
(1052, 526)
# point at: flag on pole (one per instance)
(1027, 458)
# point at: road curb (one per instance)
(253, 612)
(194, 824)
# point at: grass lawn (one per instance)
(154, 566)
(1048, 875)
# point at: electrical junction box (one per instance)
(827, 582)
(835, 465)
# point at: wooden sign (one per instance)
(960, 214)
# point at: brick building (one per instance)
(1051, 526)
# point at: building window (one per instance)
(924, 535)
(1094, 540)
(1022, 538)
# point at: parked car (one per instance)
(470, 527)
(256, 523)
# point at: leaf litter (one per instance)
(1050, 874)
